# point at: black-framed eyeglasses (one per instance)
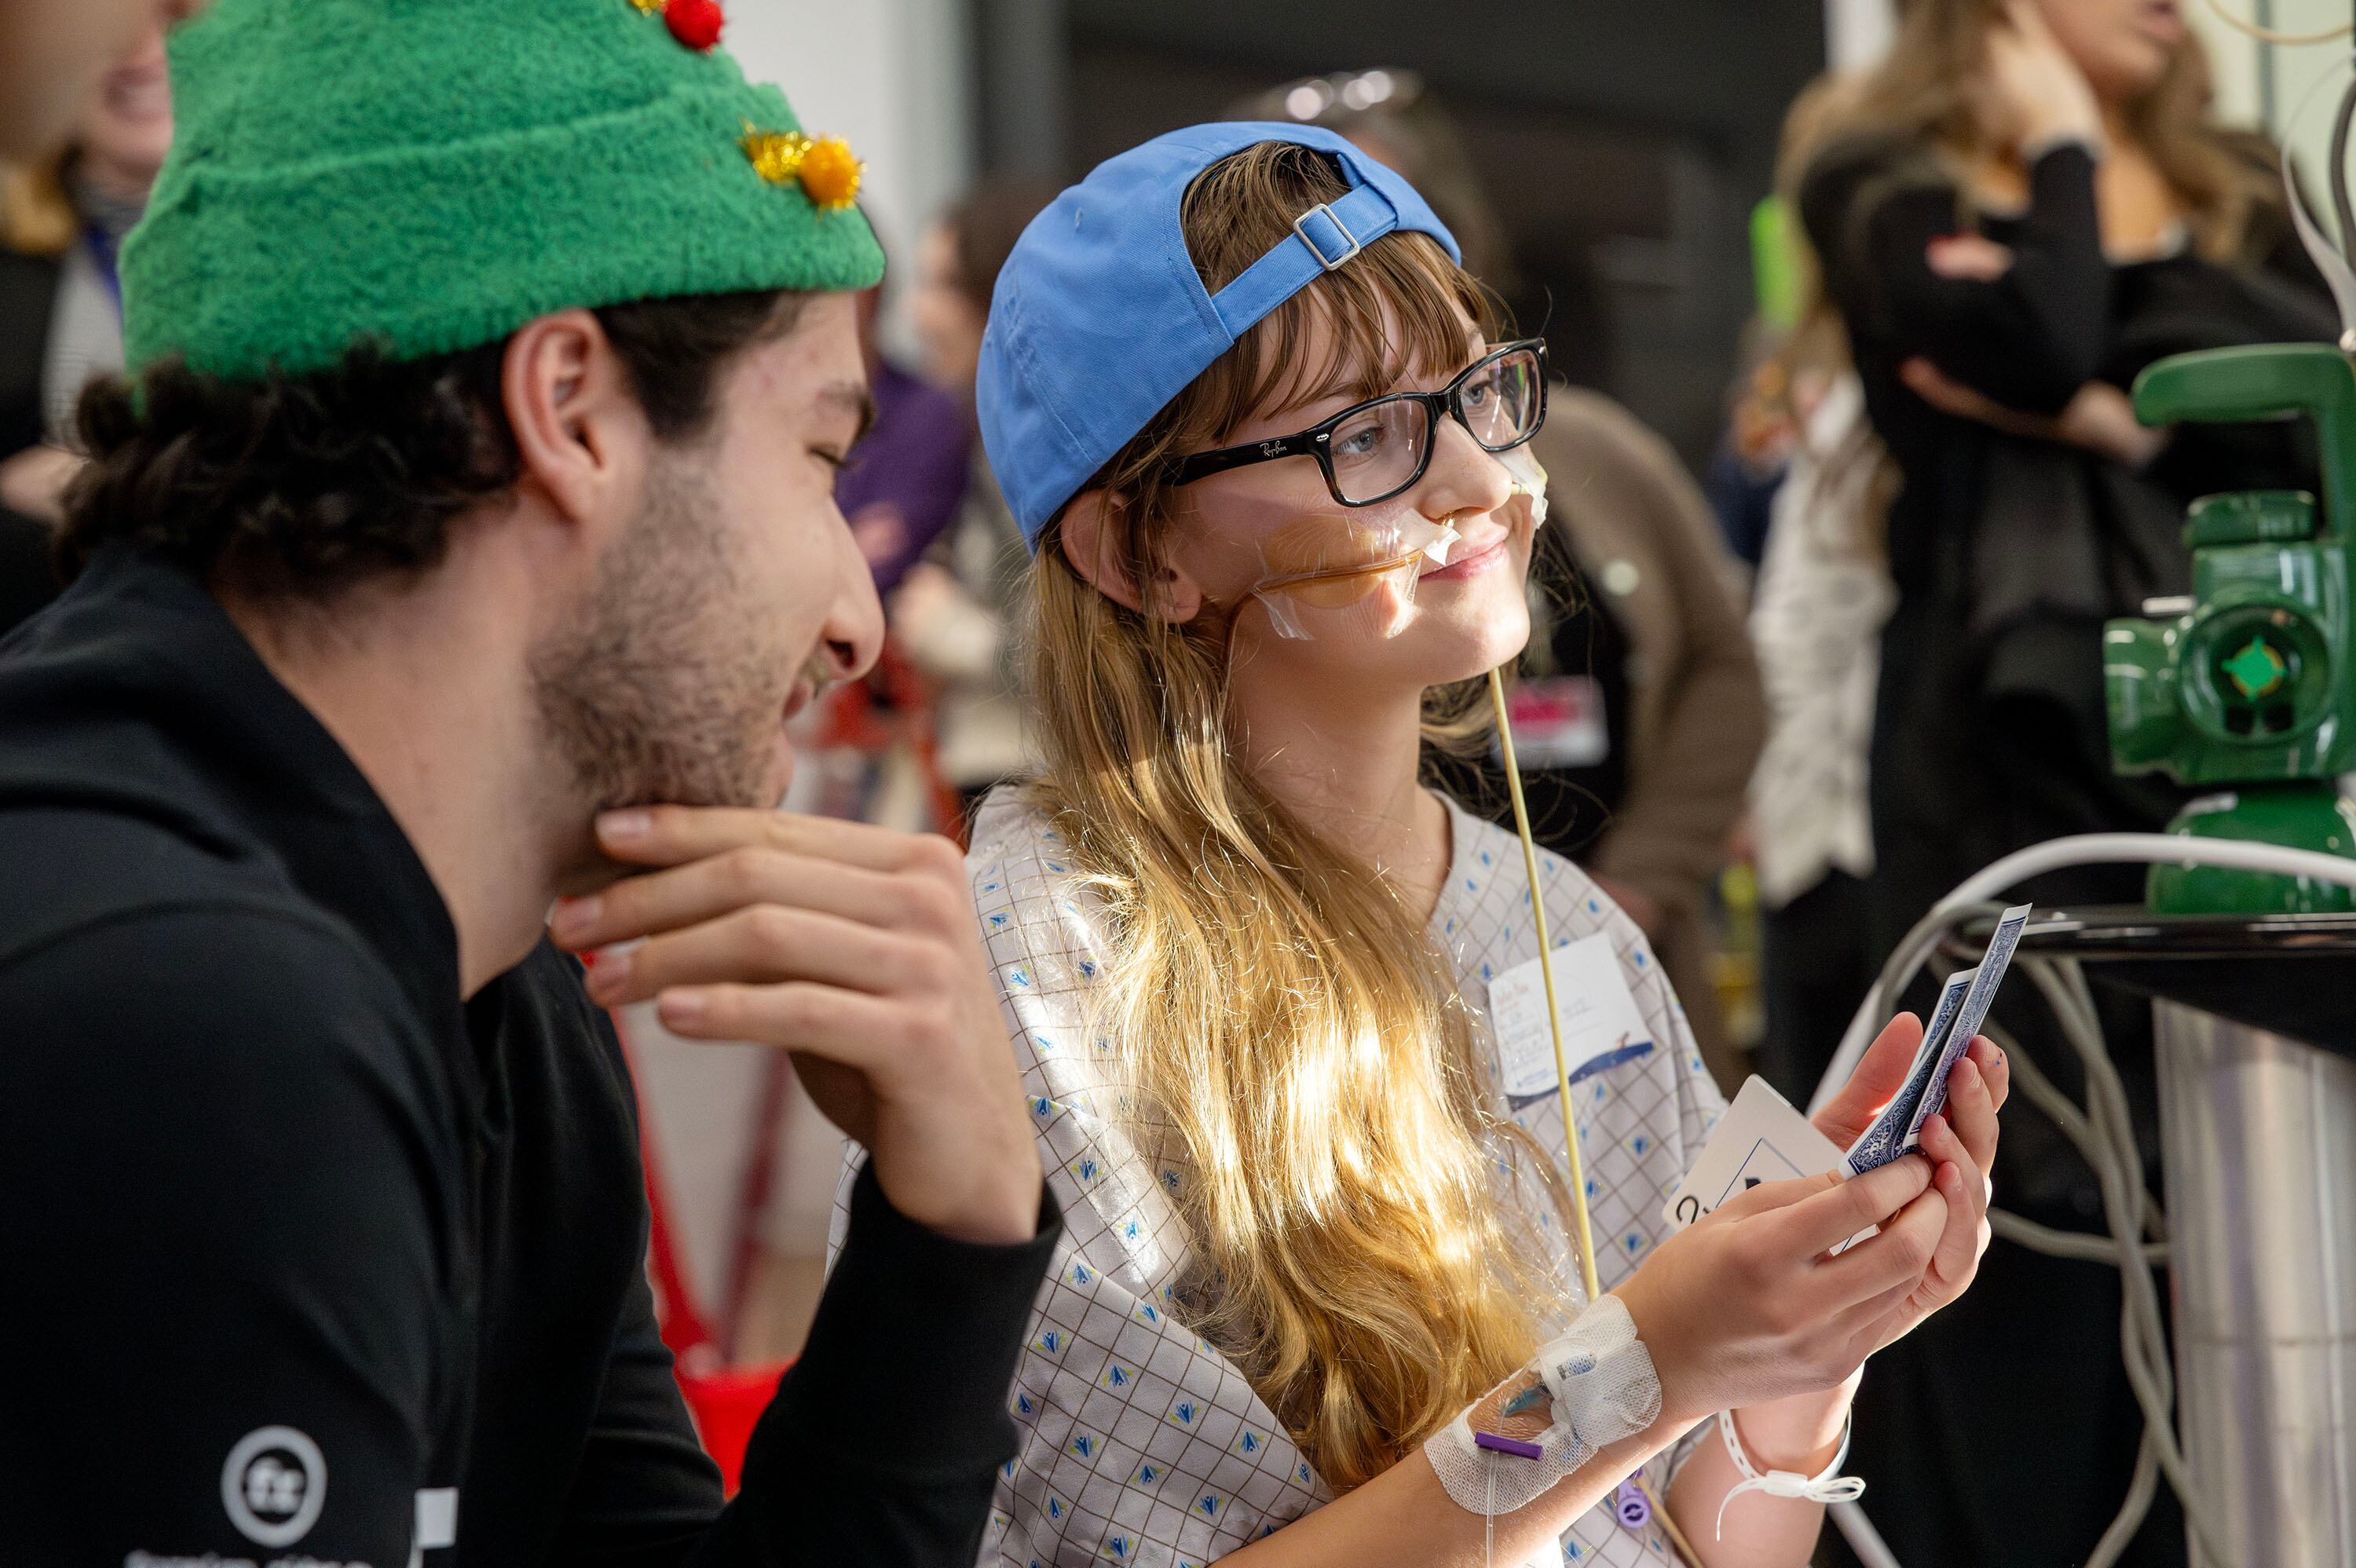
(1373, 451)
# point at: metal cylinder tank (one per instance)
(2259, 1134)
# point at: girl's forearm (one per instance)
(1404, 1518)
(1802, 1433)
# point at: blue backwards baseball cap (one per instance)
(1100, 318)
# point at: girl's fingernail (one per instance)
(576, 915)
(620, 826)
(680, 1007)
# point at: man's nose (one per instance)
(852, 635)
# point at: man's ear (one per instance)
(1090, 537)
(578, 427)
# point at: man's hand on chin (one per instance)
(853, 947)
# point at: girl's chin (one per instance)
(1455, 653)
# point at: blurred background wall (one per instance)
(1624, 143)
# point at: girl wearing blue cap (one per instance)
(1317, 1301)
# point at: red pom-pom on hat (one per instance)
(695, 23)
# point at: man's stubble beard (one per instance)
(664, 688)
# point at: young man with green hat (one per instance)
(457, 555)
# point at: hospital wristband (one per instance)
(1827, 1486)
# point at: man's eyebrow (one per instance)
(852, 397)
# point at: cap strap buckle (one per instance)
(1329, 233)
(1325, 259)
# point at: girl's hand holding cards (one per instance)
(1751, 1303)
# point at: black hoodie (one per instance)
(296, 1243)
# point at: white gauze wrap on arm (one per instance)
(1602, 1388)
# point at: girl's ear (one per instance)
(1090, 540)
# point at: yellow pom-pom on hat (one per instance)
(826, 166)
(777, 155)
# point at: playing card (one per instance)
(1884, 1138)
(1973, 1013)
(1759, 1138)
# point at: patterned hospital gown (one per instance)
(1143, 1445)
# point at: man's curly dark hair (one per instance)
(304, 485)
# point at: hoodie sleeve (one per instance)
(226, 1305)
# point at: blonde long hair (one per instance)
(1279, 1007)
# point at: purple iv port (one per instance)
(1636, 1510)
(1508, 1445)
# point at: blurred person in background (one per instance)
(51, 55)
(61, 219)
(1821, 597)
(905, 482)
(870, 746)
(2020, 209)
(954, 611)
(1549, 284)
(1638, 713)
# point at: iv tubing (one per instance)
(1587, 1275)
(2078, 849)
(2123, 1197)
(1545, 969)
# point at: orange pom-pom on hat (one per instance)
(830, 173)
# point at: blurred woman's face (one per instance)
(949, 329)
(2124, 47)
(127, 127)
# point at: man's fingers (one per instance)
(1879, 1073)
(738, 879)
(673, 835)
(839, 1027)
(764, 944)
(1824, 1221)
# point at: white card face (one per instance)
(1597, 1011)
(1759, 1138)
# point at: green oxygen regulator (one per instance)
(2247, 683)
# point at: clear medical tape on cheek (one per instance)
(1350, 575)
(1355, 574)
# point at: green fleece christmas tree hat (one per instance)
(432, 174)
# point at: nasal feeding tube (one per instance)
(1329, 576)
